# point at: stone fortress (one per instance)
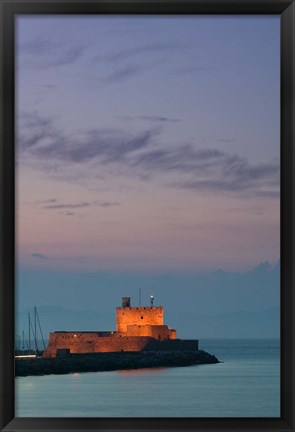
(137, 329)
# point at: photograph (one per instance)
(147, 216)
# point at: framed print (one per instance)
(147, 196)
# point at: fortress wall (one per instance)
(159, 332)
(138, 316)
(125, 343)
(75, 341)
(93, 342)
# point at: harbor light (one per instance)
(152, 300)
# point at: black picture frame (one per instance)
(286, 10)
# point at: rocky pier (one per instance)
(99, 362)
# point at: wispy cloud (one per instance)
(68, 56)
(48, 201)
(47, 52)
(123, 73)
(38, 137)
(127, 63)
(214, 170)
(106, 203)
(160, 119)
(183, 158)
(234, 185)
(67, 206)
(199, 169)
(39, 256)
(126, 54)
(79, 205)
(154, 118)
(67, 213)
(39, 45)
(235, 174)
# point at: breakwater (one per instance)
(99, 362)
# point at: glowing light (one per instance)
(26, 356)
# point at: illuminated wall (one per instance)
(136, 327)
(159, 332)
(138, 316)
(93, 342)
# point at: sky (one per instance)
(146, 146)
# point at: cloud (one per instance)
(141, 156)
(38, 137)
(59, 206)
(34, 120)
(126, 54)
(48, 201)
(157, 119)
(67, 206)
(213, 170)
(106, 203)
(67, 213)
(109, 146)
(122, 73)
(122, 65)
(47, 52)
(184, 159)
(260, 180)
(39, 256)
(66, 57)
(38, 45)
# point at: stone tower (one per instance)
(142, 321)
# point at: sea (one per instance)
(245, 384)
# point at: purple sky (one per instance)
(147, 144)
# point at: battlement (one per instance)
(140, 307)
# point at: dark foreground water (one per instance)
(247, 384)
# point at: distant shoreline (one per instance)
(102, 362)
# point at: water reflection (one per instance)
(159, 370)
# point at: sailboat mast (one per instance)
(40, 329)
(35, 328)
(29, 331)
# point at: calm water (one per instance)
(247, 384)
